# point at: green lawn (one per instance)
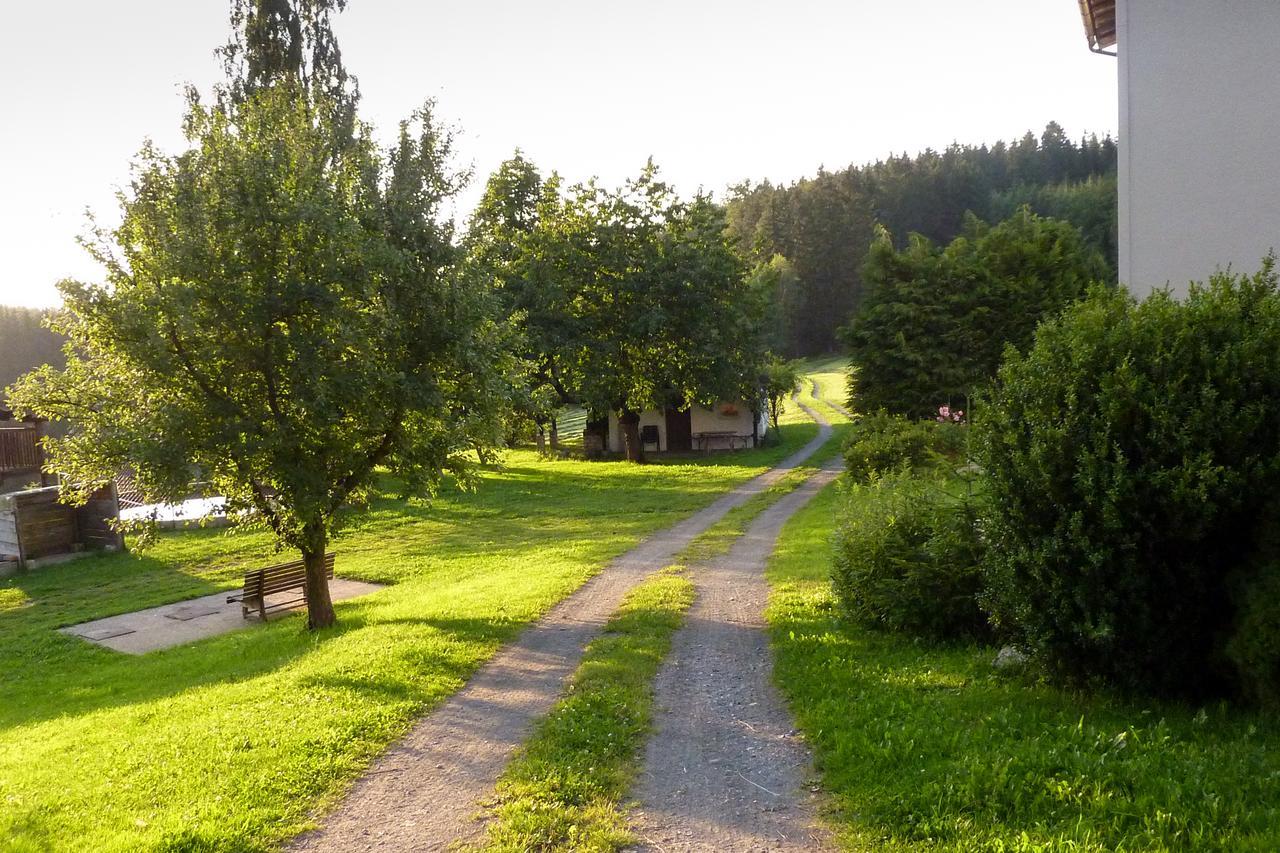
(229, 743)
(829, 374)
(832, 376)
(925, 748)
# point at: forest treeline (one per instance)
(808, 241)
(25, 343)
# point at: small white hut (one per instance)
(728, 425)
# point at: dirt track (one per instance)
(724, 769)
(424, 793)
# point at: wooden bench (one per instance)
(285, 577)
(727, 439)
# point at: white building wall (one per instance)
(715, 419)
(701, 419)
(1199, 160)
(651, 417)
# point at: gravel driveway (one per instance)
(425, 792)
(725, 768)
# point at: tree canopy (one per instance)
(627, 299)
(824, 225)
(935, 321)
(280, 317)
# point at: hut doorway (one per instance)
(679, 430)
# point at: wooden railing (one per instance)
(19, 450)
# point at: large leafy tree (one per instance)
(662, 312)
(498, 244)
(290, 41)
(280, 317)
(625, 299)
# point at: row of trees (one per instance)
(286, 311)
(935, 321)
(808, 241)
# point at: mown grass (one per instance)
(717, 539)
(564, 790)
(928, 748)
(231, 743)
(831, 376)
(828, 374)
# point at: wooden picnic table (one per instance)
(729, 438)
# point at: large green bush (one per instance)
(882, 443)
(1131, 461)
(934, 323)
(908, 555)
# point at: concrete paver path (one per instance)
(186, 621)
(424, 793)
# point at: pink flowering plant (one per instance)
(948, 416)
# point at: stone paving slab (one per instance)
(186, 621)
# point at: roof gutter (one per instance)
(1091, 27)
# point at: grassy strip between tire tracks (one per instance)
(564, 789)
(929, 748)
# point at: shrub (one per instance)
(907, 557)
(1131, 458)
(1254, 647)
(883, 443)
(935, 321)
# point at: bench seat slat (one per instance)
(273, 580)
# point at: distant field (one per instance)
(829, 373)
(570, 424)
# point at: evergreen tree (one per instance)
(823, 225)
(936, 321)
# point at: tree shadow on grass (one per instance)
(84, 678)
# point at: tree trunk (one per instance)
(629, 423)
(555, 435)
(319, 605)
(542, 439)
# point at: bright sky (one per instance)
(715, 90)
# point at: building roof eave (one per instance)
(1099, 23)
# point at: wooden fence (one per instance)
(33, 524)
(19, 448)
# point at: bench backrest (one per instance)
(278, 578)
